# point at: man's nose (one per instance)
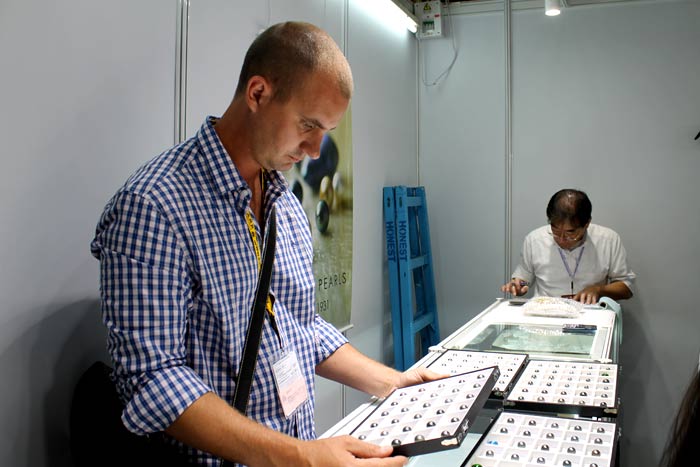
(312, 145)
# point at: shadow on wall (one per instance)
(640, 386)
(43, 366)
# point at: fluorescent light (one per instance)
(390, 13)
(552, 7)
(407, 18)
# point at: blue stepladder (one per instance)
(414, 313)
(393, 273)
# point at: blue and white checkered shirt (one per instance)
(178, 274)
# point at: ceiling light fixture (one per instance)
(552, 7)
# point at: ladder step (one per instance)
(421, 322)
(418, 262)
(413, 201)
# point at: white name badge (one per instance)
(291, 386)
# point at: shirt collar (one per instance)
(225, 175)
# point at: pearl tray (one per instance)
(428, 417)
(523, 440)
(458, 361)
(587, 389)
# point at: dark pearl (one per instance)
(323, 215)
(298, 190)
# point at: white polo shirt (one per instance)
(602, 260)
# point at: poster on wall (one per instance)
(324, 187)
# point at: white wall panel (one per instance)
(87, 96)
(462, 164)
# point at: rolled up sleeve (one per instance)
(328, 339)
(146, 293)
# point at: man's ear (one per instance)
(258, 92)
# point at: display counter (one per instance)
(558, 371)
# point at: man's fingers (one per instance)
(430, 375)
(367, 450)
(395, 461)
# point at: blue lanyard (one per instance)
(566, 265)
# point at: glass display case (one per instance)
(504, 327)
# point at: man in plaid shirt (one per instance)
(179, 270)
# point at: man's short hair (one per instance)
(571, 206)
(287, 53)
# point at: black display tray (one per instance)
(428, 417)
(455, 361)
(555, 386)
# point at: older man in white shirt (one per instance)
(571, 257)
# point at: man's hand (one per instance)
(346, 451)
(589, 296)
(515, 287)
(416, 376)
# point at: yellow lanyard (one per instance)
(256, 245)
